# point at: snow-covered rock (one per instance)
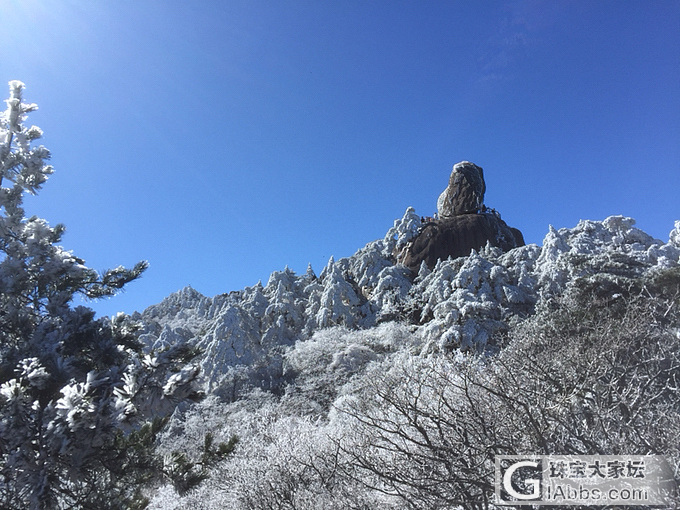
(464, 193)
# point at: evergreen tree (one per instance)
(72, 387)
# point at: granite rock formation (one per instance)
(465, 192)
(464, 223)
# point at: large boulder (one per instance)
(457, 237)
(463, 224)
(465, 192)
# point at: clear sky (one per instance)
(222, 140)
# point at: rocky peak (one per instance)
(465, 192)
(463, 224)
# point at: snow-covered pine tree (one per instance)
(70, 384)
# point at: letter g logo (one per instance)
(533, 483)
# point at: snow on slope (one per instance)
(460, 304)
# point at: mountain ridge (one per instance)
(461, 303)
(368, 385)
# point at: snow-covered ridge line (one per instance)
(459, 304)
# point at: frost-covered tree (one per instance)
(338, 301)
(70, 384)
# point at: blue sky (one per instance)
(223, 140)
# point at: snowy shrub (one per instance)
(286, 462)
(188, 425)
(390, 293)
(674, 236)
(409, 436)
(338, 300)
(332, 356)
(463, 303)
